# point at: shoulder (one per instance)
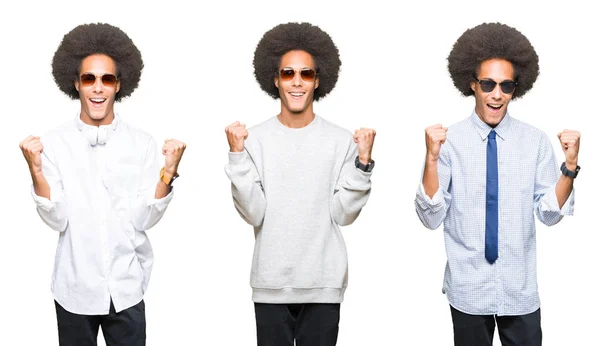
(461, 127)
(335, 130)
(524, 129)
(133, 133)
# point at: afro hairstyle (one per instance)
(296, 36)
(100, 38)
(493, 41)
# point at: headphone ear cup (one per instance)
(102, 134)
(91, 134)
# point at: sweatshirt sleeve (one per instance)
(246, 188)
(352, 190)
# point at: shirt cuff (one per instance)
(550, 203)
(437, 197)
(162, 203)
(429, 203)
(42, 202)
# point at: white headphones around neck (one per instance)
(96, 134)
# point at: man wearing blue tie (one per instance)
(484, 178)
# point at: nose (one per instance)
(497, 92)
(97, 85)
(297, 80)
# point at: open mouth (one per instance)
(494, 107)
(297, 94)
(97, 102)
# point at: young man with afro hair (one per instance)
(296, 178)
(97, 182)
(484, 178)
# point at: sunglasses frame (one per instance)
(109, 85)
(283, 77)
(502, 84)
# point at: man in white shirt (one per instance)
(96, 181)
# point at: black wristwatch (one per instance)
(569, 173)
(365, 168)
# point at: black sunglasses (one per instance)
(488, 85)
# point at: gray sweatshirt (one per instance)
(296, 187)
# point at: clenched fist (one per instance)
(32, 151)
(569, 141)
(236, 135)
(173, 150)
(435, 136)
(364, 138)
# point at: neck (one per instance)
(96, 122)
(296, 120)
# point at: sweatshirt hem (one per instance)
(290, 295)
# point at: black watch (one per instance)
(365, 168)
(569, 173)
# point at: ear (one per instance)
(473, 86)
(118, 87)
(316, 82)
(76, 82)
(276, 82)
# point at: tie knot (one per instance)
(492, 135)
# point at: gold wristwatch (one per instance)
(166, 178)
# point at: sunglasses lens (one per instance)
(487, 85)
(508, 87)
(308, 75)
(286, 74)
(87, 79)
(109, 80)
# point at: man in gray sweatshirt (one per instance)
(296, 178)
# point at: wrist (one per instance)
(365, 160)
(431, 159)
(571, 164)
(36, 174)
(170, 171)
(236, 150)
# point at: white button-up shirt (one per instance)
(102, 202)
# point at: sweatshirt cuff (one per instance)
(237, 158)
(359, 178)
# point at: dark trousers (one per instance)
(126, 328)
(309, 324)
(478, 330)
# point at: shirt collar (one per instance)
(502, 129)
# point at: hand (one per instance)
(173, 150)
(364, 138)
(236, 135)
(435, 136)
(32, 151)
(569, 141)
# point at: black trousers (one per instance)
(126, 328)
(308, 324)
(478, 330)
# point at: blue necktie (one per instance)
(491, 200)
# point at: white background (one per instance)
(198, 78)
